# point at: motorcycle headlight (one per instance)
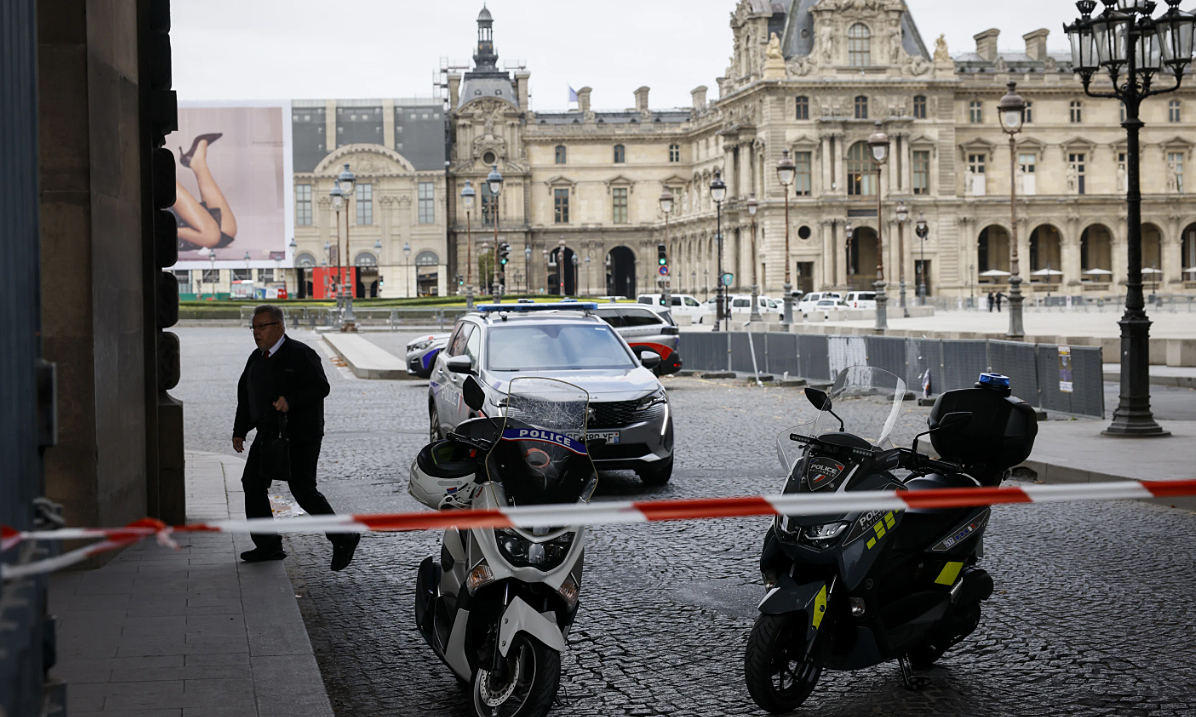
(521, 552)
(822, 536)
(655, 398)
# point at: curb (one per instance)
(1156, 380)
(1051, 473)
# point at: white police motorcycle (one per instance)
(498, 604)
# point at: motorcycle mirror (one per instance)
(473, 393)
(819, 398)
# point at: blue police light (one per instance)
(528, 308)
(994, 380)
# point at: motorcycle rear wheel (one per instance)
(779, 677)
(533, 673)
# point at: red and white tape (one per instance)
(603, 513)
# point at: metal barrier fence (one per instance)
(313, 317)
(1057, 303)
(1070, 380)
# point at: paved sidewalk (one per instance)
(158, 632)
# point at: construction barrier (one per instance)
(600, 513)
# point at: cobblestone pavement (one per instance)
(1093, 613)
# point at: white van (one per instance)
(810, 300)
(742, 304)
(861, 300)
(683, 305)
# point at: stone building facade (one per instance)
(588, 181)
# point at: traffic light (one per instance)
(460, 280)
(661, 258)
(504, 253)
(381, 281)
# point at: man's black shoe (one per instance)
(257, 555)
(342, 551)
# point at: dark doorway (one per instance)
(621, 273)
(302, 283)
(562, 268)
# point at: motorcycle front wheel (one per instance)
(779, 676)
(524, 687)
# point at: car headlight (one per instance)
(419, 345)
(655, 398)
(521, 552)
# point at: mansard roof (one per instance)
(798, 37)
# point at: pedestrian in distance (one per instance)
(281, 394)
(998, 297)
(990, 301)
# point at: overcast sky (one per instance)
(291, 49)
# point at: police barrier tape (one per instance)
(601, 513)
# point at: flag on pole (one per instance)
(572, 95)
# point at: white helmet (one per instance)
(442, 475)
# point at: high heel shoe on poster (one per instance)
(185, 157)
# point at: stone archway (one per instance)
(621, 279)
(1188, 253)
(862, 264)
(992, 254)
(1046, 255)
(562, 272)
(1096, 254)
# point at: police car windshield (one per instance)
(555, 347)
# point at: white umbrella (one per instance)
(1046, 272)
(1190, 270)
(1151, 270)
(994, 272)
(1101, 272)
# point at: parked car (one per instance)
(682, 305)
(860, 300)
(742, 304)
(646, 328)
(828, 306)
(808, 301)
(629, 420)
(421, 353)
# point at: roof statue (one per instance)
(774, 47)
(940, 49)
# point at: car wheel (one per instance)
(656, 473)
(434, 424)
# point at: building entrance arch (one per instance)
(1046, 255)
(620, 272)
(1096, 254)
(1188, 253)
(561, 267)
(861, 264)
(992, 254)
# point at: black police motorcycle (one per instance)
(854, 590)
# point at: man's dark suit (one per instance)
(295, 373)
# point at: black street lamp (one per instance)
(752, 206)
(666, 206)
(1131, 46)
(718, 192)
(922, 230)
(902, 217)
(879, 142)
(494, 179)
(785, 174)
(467, 198)
(1011, 110)
(527, 268)
(849, 235)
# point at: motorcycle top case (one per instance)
(1000, 434)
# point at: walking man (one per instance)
(281, 394)
(998, 297)
(990, 301)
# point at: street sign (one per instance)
(664, 271)
(727, 278)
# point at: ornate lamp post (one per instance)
(494, 179)
(666, 206)
(922, 230)
(718, 192)
(337, 197)
(902, 216)
(752, 205)
(1011, 109)
(547, 268)
(1132, 47)
(467, 199)
(587, 274)
(576, 272)
(849, 233)
(879, 142)
(406, 270)
(347, 182)
(560, 267)
(785, 174)
(527, 268)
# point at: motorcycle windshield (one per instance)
(541, 455)
(866, 399)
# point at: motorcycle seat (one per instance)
(936, 481)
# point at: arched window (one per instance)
(560, 154)
(305, 261)
(365, 259)
(859, 45)
(427, 258)
(861, 172)
(861, 107)
(620, 154)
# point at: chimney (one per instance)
(641, 99)
(986, 44)
(1036, 44)
(521, 89)
(699, 95)
(583, 99)
(454, 87)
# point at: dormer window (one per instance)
(859, 45)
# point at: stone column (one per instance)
(1070, 250)
(1172, 260)
(824, 162)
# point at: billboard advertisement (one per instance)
(232, 183)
